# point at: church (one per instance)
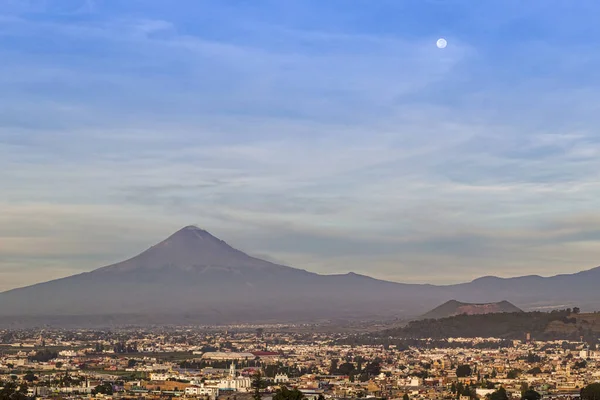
(235, 383)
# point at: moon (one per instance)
(441, 43)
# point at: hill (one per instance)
(195, 278)
(454, 307)
(555, 325)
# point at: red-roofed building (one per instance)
(267, 355)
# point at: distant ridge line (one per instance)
(195, 277)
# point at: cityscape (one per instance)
(299, 199)
(227, 362)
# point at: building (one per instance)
(281, 378)
(235, 383)
(221, 355)
(202, 390)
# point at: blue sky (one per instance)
(328, 135)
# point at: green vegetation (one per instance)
(499, 394)
(500, 325)
(257, 385)
(459, 389)
(11, 391)
(463, 371)
(29, 376)
(513, 373)
(530, 394)
(43, 355)
(333, 368)
(222, 364)
(286, 394)
(105, 388)
(591, 392)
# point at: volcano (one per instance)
(193, 277)
(195, 274)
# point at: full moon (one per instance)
(441, 43)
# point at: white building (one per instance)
(281, 378)
(68, 353)
(234, 382)
(484, 392)
(201, 390)
(161, 376)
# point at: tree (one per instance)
(533, 358)
(333, 367)
(576, 310)
(30, 376)
(488, 385)
(531, 394)
(591, 392)
(11, 391)
(43, 356)
(405, 397)
(499, 394)
(513, 374)
(459, 388)
(373, 368)
(463, 371)
(105, 388)
(468, 391)
(346, 368)
(286, 394)
(257, 383)
(131, 363)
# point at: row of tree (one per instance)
(283, 393)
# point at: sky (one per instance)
(332, 135)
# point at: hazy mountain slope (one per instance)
(565, 290)
(196, 275)
(194, 272)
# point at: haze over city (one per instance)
(329, 136)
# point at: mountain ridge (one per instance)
(192, 272)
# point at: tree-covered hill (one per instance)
(500, 325)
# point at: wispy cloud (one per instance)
(317, 136)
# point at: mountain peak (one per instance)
(192, 233)
(193, 229)
(191, 250)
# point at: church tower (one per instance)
(232, 370)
